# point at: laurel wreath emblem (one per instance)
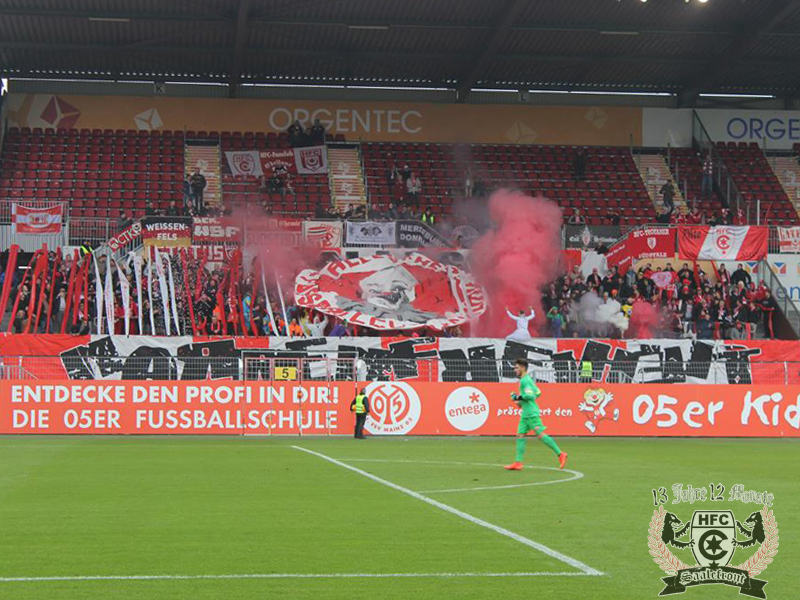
(671, 564)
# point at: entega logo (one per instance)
(712, 539)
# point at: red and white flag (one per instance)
(723, 243)
(384, 292)
(244, 162)
(36, 221)
(311, 160)
(664, 279)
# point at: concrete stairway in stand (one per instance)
(205, 156)
(346, 177)
(655, 171)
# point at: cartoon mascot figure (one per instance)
(595, 407)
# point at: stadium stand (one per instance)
(99, 172)
(756, 180)
(612, 182)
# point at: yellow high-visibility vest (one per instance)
(586, 369)
(360, 407)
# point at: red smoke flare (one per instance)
(644, 321)
(517, 258)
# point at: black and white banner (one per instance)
(415, 359)
(371, 232)
(417, 234)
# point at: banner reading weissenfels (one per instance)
(399, 408)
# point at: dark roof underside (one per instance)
(627, 45)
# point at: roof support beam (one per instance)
(239, 42)
(508, 16)
(773, 15)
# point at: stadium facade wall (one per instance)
(404, 121)
(375, 121)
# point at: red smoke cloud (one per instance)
(514, 260)
(644, 321)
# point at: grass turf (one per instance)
(96, 506)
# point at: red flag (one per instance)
(10, 269)
(198, 287)
(56, 264)
(19, 290)
(187, 287)
(70, 291)
(40, 273)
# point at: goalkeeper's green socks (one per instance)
(520, 448)
(550, 443)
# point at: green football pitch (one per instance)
(255, 518)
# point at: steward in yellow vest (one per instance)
(360, 406)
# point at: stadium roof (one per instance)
(679, 46)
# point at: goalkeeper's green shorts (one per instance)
(527, 424)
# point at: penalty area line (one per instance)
(584, 568)
(288, 576)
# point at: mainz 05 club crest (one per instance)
(711, 538)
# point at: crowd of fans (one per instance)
(641, 303)
(660, 302)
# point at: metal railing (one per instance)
(275, 365)
(722, 178)
(92, 230)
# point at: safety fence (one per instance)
(260, 365)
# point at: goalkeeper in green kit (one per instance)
(529, 420)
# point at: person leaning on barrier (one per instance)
(360, 406)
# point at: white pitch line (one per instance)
(287, 576)
(586, 569)
(575, 474)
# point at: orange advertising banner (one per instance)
(366, 120)
(398, 408)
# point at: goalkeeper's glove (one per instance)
(515, 397)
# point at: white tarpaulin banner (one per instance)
(371, 233)
(244, 162)
(387, 293)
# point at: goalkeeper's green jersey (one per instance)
(529, 392)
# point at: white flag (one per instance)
(98, 296)
(150, 293)
(109, 297)
(125, 289)
(266, 300)
(283, 304)
(172, 295)
(137, 271)
(162, 285)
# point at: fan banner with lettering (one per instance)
(652, 242)
(387, 293)
(722, 243)
(397, 408)
(663, 361)
(789, 239)
(36, 221)
(312, 160)
(216, 230)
